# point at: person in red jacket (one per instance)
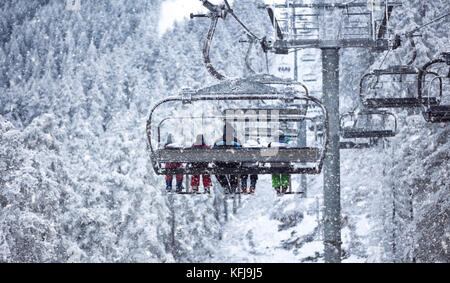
(169, 178)
(195, 179)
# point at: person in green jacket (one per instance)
(281, 182)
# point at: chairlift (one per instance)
(368, 125)
(394, 87)
(244, 94)
(439, 87)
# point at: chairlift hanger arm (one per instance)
(216, 12)
(207, 48)
(250, 42)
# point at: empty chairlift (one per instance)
(368, 125)
(435, 82)
(395, 87)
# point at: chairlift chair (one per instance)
(291, 160)
(384, 129)
(381, 88)
(439, 84)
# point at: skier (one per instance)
(280, 182)
(169, 178)
(195, 179)
(228, 182)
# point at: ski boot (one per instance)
(278, 190)
(244, 190)
(229, 191)
(169, 186)
(207, 190)
(252, 187)
(284, 189)
(179, 186)
(194, 190)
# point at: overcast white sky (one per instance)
(178, 10)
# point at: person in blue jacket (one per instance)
(228, 182)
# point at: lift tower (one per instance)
(330, 27)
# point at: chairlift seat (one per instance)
(281, 162)
(400, 102)
(363, 133)
(245, 155)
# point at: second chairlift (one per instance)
(438, 86)
(368, 124)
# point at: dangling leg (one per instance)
(169, 183)
(285, 181)
(179, 183)
(276, 183)
(195, 182)
(223, 181)
(244, 184)
(253, 180)
(234, 183)
(207, 183)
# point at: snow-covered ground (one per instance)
(255, 234)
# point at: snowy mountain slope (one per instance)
(92, 70)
